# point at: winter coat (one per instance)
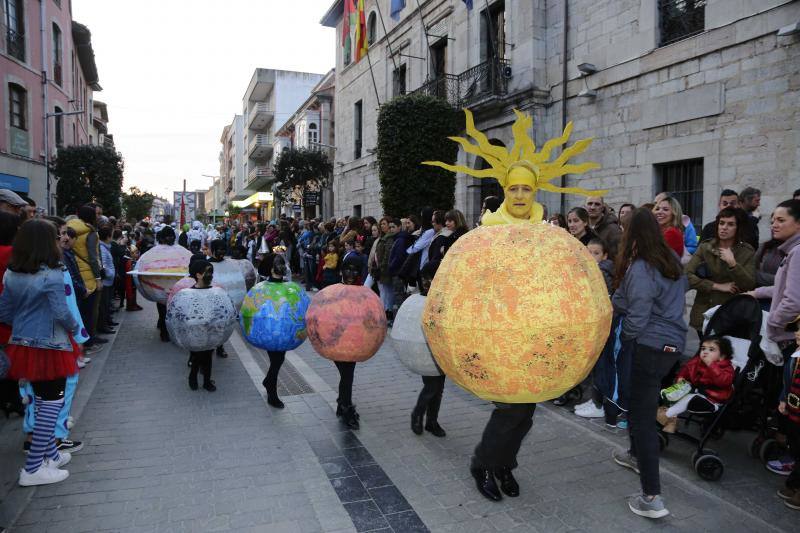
(608, 229)
(439, 245)
(748, 235)
(74, 273)
(87, 252)
(689, 235)
(706, 268)
(785, 293)
(674, 239)
(607, 268)
(714, 381)
(398, 255)
(768, 261)
(382, 253)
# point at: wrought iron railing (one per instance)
(679, 19)
(15, 44)
(486, 79)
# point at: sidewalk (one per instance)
(160, 457)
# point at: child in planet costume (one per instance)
(430, 397)
(203, 272)
(164, 237)
(521, 171)
(276, 358)
(218, 256)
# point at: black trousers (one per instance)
(276, 360)
(650, 365)
(346, 372)
(86, 309)
(430, 397)
(162, 317)
(503, 435)
(201, 362)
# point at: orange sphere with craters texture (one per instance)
(346, 323)
(517, 313)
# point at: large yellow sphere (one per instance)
(517, 313)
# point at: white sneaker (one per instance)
(591, 412)
(43, 476)
(80, 362)
(63, 459)
(584, 405)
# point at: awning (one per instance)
(259, 197)
(15, 183)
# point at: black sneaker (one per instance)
(70, 446)
(26, 447)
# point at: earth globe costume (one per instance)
(534, 342)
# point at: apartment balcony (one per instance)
(473, 86)
(260, 116)
(259, 177)
(260, 146)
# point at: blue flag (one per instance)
(397, 7)
(469, 3)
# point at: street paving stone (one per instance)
(160, 457)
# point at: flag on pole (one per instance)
(362, 47)
(397, 7)
(347, 27)
(469, 3)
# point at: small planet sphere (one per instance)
(200, 319)
(184, 283)
(228, 275)
(346, 323)
(170, 261)
(273, 316)
(408, 338)
(517, 313)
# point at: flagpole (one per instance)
(386, 34)
(372, 74)
(427, 42)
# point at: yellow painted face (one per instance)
(519, 200)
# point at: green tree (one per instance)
(412, 129)
(89, 173)
(137, 204)
(300, 169)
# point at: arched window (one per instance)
(57, 49)
(59, 127)
(313, 134)
(371, 28)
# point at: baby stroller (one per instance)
(740, 320)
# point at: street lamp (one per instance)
(47, 149)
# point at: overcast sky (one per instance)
(174, 72)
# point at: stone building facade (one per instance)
(689, 96)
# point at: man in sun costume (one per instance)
(521, 171)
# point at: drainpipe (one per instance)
(564, 94)
(46, 140)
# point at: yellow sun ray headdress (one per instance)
(524, 154)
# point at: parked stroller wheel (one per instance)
(663, 440)
(769, 450)
(697, 454)
(755, 447)
(709, 467)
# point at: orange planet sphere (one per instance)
(517, 313)
(346, 323)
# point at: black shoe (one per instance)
(209, 386)
(484, 481)
(561, 401)
(508, 484)
(106, 331)
(416, 420)
(193, 381)
(164, 336)
(99, 340)
(221, 352)
(275, 402)
(112, 324)
(339, 409)
(350, 417)
(435, 428)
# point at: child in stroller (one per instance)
(701, 385)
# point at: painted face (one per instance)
(350, 273)
(519, 201)
(728, 201)
(597, 252)
(726, 228)
(784, 226)
(663, 213)
(709, 353)
(576, 226)
(594, 205)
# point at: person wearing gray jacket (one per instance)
(650, 294)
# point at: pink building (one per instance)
(39, 37)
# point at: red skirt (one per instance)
(42, 364)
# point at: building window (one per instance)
(493, 32)
(18, 105)
(313, 134)
(683, 180)
(679, 19)
(59, 127)
(357, 122)
(57, 71)
(371, 28)
(399, 80)
(15, 28)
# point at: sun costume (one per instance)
(518, 312)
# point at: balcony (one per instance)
(260, 117)
(485, 80)
(260, 146)
(259, 177)
(15, 44)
